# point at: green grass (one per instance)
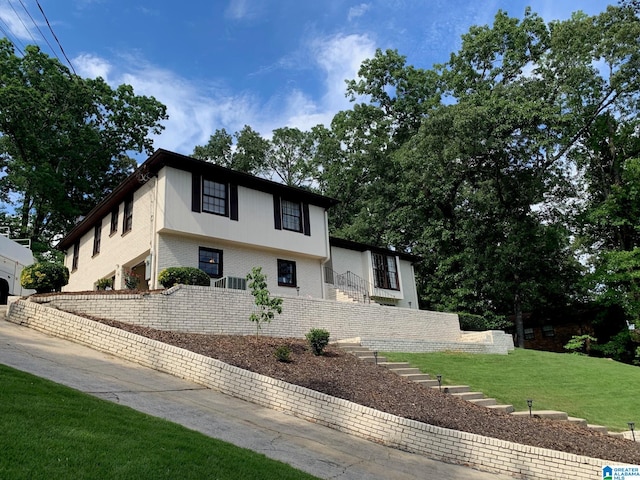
(599, 390)
(51, 431)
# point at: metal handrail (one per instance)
(351, 284)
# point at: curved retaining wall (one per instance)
(441, 444)
(225, 311)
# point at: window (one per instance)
(127, 223)
(287, 273)
(114, 221)
(548, 331)
(76, 255)
(385, 272)
(214, 197)
(291, 216)
(97, 233)
(210, 261)
(528, 334)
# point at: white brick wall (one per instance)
(483, 453)
(217, 311)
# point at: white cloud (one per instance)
(20, 29)
(91, 66)
(358, 11)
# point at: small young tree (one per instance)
(267, 306)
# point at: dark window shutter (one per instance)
(196, 192)
(305, 219)
(233, 202)
(277, 216)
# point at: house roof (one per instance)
(162, 158)
(363, 247)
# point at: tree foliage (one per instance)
(267, 306)
(64, 140)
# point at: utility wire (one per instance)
(20, 18)
(6, 34)
(38, 27)
(55, 37)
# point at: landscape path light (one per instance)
(439, 377)
(631, 427)
(529, 404)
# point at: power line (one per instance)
(38, 27)
(55, 37)
(20, 18)
(6, 34)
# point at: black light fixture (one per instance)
(375, 356)
(530, 404)
(439, 377)
(298, 290)
(632, 428)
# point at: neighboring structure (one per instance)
(179, 211)
(14, 257)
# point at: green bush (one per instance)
(44, 277)
(318, 339)
(183, 275)
(283, 354)
(104, 284)
(479, 323)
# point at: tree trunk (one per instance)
(517, 306)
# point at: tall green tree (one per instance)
(64, 140)
(248, 154)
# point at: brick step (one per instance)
(578, 421)
(407, 371)
(416, 377)
(427, 383)
(501, 408)
(469, 395)
(373, 359)
(394, 365)
(484, 402)
(598, 428)
(454, 388)
(549, 414)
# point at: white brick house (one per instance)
(179, 211)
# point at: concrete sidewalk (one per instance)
(316, 449)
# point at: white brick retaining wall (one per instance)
(441, 444)
(225, 311)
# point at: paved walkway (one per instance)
(318, 450)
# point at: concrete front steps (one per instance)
(404, 369)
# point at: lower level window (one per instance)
(287, 273)
(210, 261)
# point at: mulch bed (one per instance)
(342, 375)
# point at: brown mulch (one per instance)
(342, 375)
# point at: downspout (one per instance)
(327, 258)
(153, 238)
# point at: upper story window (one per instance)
(290, 215)
(76, 256)
(385, 271)
(214, 197)
(287, 273)
(127, 223)
(97, 234)
(210, 261)
(220, 198)
(114, 221)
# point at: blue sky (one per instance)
(264, 63)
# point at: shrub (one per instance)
(44, 277)
(580, 344)
(104, 284)
(479, 323)
(283, 353)
(318, 339)
(183, 275)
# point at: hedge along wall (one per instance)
(440, 444)
(224, 311)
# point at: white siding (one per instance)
(238, 260)
(116, 250)
(255, 225)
